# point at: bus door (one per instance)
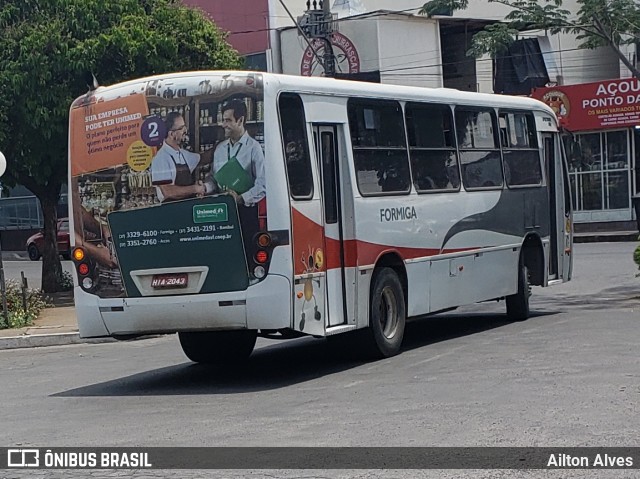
(328, 154)
(560, 209)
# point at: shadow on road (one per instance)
(285, 363)
(609, 298)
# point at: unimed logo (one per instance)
(210, 213)
(23, 458)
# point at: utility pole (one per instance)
(318, 23)
(329, 57)
(3, 285)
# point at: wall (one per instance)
(409, 51)
(362, 33)
(240, 16)
(399, 46)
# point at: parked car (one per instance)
(35, 243)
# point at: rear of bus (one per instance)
(201, 265)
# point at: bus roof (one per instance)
(332, 86)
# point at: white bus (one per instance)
(229, 205)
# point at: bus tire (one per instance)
(518, 304)
(218, 347)
(387, 315)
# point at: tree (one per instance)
(609, 23)
(50, 48)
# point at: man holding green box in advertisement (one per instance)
(238, 167)
(238, 162)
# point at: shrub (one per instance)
(65, 281)
(636, 257)
(17, 316)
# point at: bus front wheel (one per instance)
(387, 314)
(518, 304)
(218, 347)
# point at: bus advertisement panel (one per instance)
(167, 180)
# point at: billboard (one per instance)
(594, 106)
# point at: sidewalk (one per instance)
(55, 326)
(605, 236)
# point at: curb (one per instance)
(605, 237)
(43, 340)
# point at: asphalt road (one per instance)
(569, 376)
(14, 266)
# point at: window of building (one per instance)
(599, 170)
(432, 147)
(520, 149)
(296, 146)
(379, 147)
(480, 157)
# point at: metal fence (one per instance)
(20, 213)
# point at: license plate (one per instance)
(176, 280)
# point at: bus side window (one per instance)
(434, 160)
(295, 145)
(480, 157)
(379, 147)
(521, 155)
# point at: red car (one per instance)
(35, 243)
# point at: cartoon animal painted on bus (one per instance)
(313, 262)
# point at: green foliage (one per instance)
(598, 23)
(442, 7)
(602, 22)
(636, 256)
(494, 38)
(48, 48)
(19, 317)
(65, 282)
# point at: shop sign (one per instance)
(347, 58)
(594, 106)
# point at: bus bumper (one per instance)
(255, 308)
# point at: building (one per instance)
(386, 41)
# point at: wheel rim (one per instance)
(527, 283)
(388, 313)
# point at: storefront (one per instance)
(602, 141)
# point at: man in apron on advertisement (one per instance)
(238, 168)
(172, 168)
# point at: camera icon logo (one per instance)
(23, 458)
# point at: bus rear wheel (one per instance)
(387, 315)
(218, 347)
(518, 304)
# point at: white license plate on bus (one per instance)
(175, 280)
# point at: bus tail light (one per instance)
(264, 240)
(259, 272)
(259, 251)
(84, 267)
(262, 257)
(78, 254)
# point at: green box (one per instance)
(213, 213)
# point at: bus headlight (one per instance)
(87, 283)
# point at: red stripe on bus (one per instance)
(308, 239)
